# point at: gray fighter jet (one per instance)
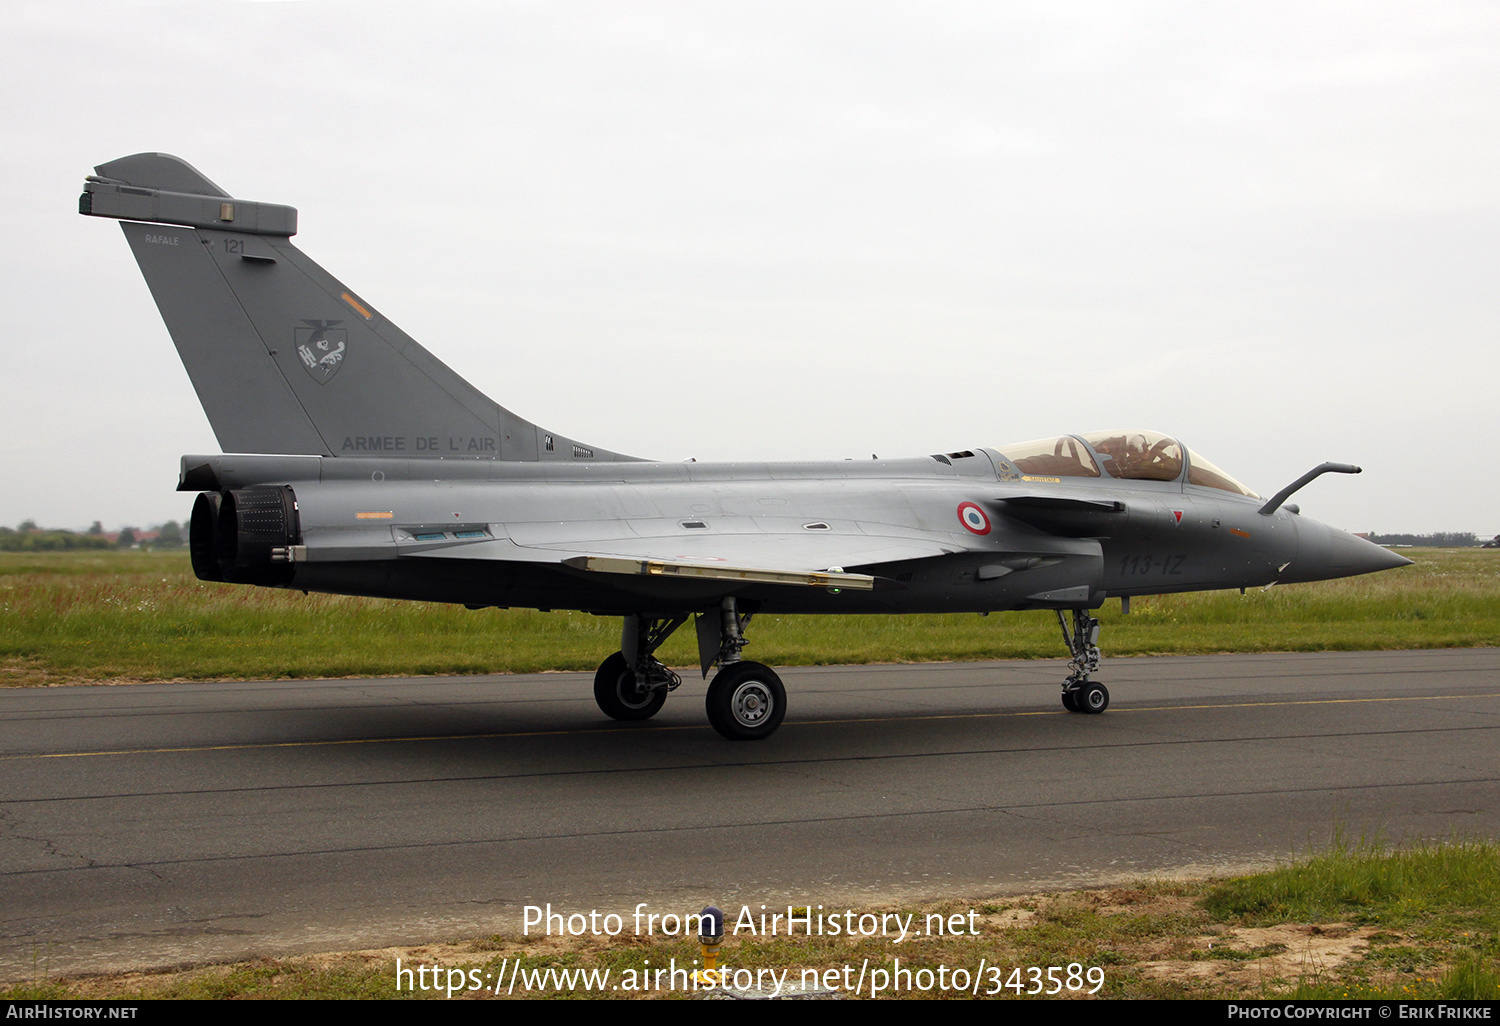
(357, 463)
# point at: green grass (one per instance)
(1439, 935)
(71, 616)
(1364, 884)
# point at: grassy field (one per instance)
(77, 617)
(1355, 922)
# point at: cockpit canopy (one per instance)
(1125, 455)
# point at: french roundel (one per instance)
(973, 518)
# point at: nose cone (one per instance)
(1324, 553)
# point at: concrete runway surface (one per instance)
(155, 824)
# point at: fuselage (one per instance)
(485, 532)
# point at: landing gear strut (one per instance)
(633, 684)
(746, 701)
(1079, 694)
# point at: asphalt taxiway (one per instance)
(158, 824)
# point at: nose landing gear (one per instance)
(1079, 694)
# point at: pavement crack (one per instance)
(12, 827)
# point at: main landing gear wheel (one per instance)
(620, 696)
(746, 702)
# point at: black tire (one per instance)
(1093, 698)
(1070, 701)
(615, 691)
(746, 702)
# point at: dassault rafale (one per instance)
(355, 462)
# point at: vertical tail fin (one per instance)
(285, 358)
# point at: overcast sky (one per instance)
(802, 230)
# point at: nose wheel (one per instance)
(1087, 697)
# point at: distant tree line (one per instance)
(1441, 540)
(34, 539)
(28, 537)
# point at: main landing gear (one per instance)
(633, 684)
(1079, 694)
(746, 701)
